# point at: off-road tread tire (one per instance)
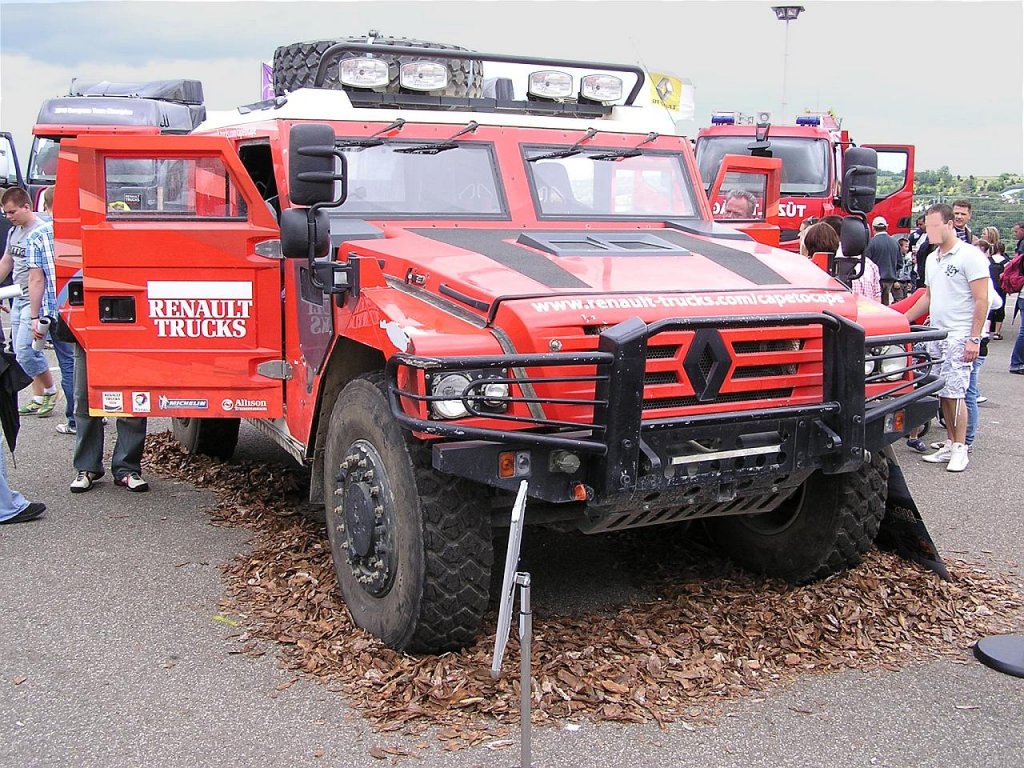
(455, 538)
(295, 66)
(217, 438)
(858, 500)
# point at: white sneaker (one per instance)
(982, 399)
(942, 455)
(958, 459)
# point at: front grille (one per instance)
(739, 397)
(759, 368)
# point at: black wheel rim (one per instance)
(780, 518)
(363, 522)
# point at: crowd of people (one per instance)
(28, 259)
(959, 281)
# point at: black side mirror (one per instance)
(761, 147)
(312, 159)
(853, 236)
(860, 179)
(295, 233)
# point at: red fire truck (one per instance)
(812, 167)
(431, 286)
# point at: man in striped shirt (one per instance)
(29, 254)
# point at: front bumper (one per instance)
(712, 459)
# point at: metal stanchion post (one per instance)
(525, 676)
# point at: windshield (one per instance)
(804, 161)
(651, 185)
(42, 162)
(461, 182)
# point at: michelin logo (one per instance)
(178, 403)
(243, 404)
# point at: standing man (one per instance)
(916, 235)
(30, 243)
(885, 253)
(956, 297)
(1018, 232)
(961, 218)
(63, 350)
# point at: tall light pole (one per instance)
(786, 13)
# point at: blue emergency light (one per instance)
(723, 119)
(808, 120)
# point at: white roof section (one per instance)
(327, 105)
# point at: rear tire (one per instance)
(411, 547)
(823, 529)
(295, 66)
(207, 437)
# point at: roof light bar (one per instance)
(808, 119)
(550, 84)
(364, 72)
(723, 118)
(423, 76)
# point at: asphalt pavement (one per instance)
(111, 652)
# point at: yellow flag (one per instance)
(666, 90)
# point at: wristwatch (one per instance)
(974, 339)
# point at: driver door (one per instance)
(756, 179)
(178, 310)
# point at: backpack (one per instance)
(1012, 279)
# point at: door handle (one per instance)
(117, 309)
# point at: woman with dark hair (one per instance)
(993, 248)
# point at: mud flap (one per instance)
(902, 530)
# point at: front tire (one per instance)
(207, 437)
(411, 547)
(826, 526)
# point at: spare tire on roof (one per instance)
(295, 66)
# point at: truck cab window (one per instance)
(186, 187)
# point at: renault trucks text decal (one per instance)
(200, 309)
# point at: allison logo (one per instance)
(707, 364)
(243, 404)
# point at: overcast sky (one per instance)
(945, 76)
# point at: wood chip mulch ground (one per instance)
(709, 634)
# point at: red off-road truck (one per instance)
(812, 153)
(430, 285)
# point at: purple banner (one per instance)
(267, 84)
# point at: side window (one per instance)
(741, 197)
(171, 187)
(892, 172)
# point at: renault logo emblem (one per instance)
(706, 364)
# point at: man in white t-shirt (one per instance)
(956, 297)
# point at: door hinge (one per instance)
(275, 369)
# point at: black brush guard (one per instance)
(624, 456)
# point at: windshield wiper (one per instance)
(441, 145)
(373, 139)
(569, 152)
(619, 154)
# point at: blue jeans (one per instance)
(1017, 357)
(32, 362)
(66, 360)
(131, 433)
(11, 502)
(971, 397)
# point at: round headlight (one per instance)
(495, 394)
(451, 386)
(869, 365)
(894, 367)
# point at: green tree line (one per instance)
(996, 201)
